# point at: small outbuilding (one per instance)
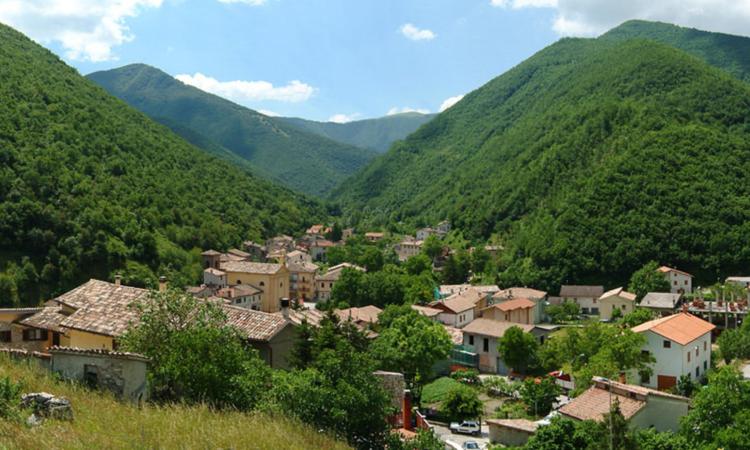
(511, 432)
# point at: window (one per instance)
(595, 301)
(667, 344)
(90, 375)
(645, 378)
(486, 345)
(688, 356)
(34, 334)
(705, 365)
(697, 372)
(686, 282)
(471, 340)
(696, 352)
(5, 336)
(240, 282)
(675, 282)
(262, 283)
(704, 346)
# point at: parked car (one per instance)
(471, 445)
(466, 427)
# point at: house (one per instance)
(122, 373)
(679, 282)
(242, 295)
(237, 253)
(447, 290)
(493, 250)
(318, 230)
(201, 291)
(430, 313)
(298, 256)
(256, 251)
(511, 432)
(319, 248)
(534, 295)
(481, 335)
(211, 259)
(518, 310)
(680, 344)
(374, 236)
(424, 233)
(324, 283)
(363, 316)
(407, 248)
(642, 407)
(347, 233)
(663, 303)
(215, 278)
(742, 281)
(272, 279)
(13, 334)
(617, 298)
(585, 296)
(459, 309)
(301, 279)
(278, 245)
(443, 227)
(272, 335)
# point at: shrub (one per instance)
(462, 403)
(10, 397)
(467, 376)
(498, 386)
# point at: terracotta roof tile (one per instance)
(49, 318)
(667, 269)
(426, 310)
(594, 403)
(364, 314)
(255, 325)
(581, 291)
(250, 267)
(682, 328)
(519, 292)
(618, 292)
(97, 352)
(518, 303)
(493, 328)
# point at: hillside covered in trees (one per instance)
(377, 134)
(588, 159)
(299, 159)
(89, 185)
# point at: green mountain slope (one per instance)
(728, 52)
(377, 134)
(299, 159)
(88, 185)
(589, 159)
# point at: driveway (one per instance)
(444, 433)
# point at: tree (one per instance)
(565, 312)
(616, 435)
(480, 259)
(686, 386)
(336, 233)
(457, 267)
(348, 287)
(518, 349)
(336, 391)
(539, 395)
(462, 402)
(424, 440)
(195, 355)
(648, 279)
(411, 344)
(418, 264)
(650, 439)
(432, 247)
(734, 343)
(637, 317)
(565, 434)
(8, 291)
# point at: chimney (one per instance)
(162, 284)
(407, 410)
(118, 279)
(285, 307)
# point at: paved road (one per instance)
(445, 435)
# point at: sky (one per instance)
(337, 60)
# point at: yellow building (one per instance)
(273, 279)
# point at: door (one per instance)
(665, 382)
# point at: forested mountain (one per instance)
(588, 159)
(728, 52)
(377, 134)
(89, 185)
(299, 159)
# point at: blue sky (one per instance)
(331, 59)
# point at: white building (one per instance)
(482, 336)
(458, 309)
(215, 278)
(681, 345)
(679, 282)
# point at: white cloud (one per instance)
(518, 4)
(406, 109)
(593, 17)
(246, 2)
(417, 34)
(269, 113)
(86, 29)
(450, 101)
(344, 118)
(244, 91)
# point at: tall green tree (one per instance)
(648, 279)
(462, 402)
(539, 395)
(518, 349)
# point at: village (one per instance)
(269, 290)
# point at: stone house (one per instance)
(272, 335)
(123, 374)
(408, 248)
(511, 432)
(215, 278)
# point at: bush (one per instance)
(498, 386)
(462, 403)
(10, 397)
(539, 395)
(512, 409)
(467, 376)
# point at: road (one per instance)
(444, 433)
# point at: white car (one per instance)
(471, 445)
(466, 427)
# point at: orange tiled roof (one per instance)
(682, 328)
(519, 292)
(364, 314)
(493, 328)
(667, 269)
(519, 303)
